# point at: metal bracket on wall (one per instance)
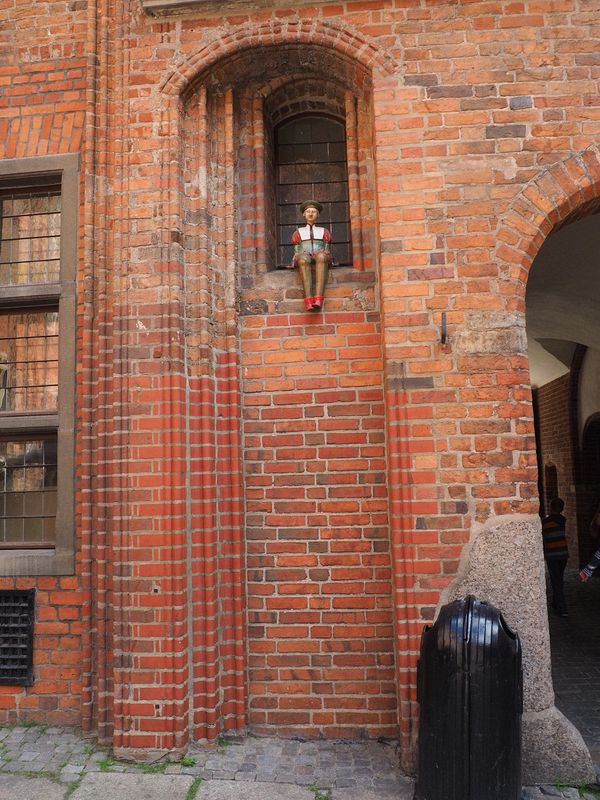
(444, 334)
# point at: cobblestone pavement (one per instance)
(330, 769)
(63, 754)
(575, 643)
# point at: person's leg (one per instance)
(556, 569)
(559, 592)
(322, 262)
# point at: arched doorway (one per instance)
(563, 332)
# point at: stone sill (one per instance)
(173, 6)
(212, 7)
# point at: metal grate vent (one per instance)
(17, 613)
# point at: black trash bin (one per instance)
(469, 688)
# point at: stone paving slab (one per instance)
(126, 786)
(16, 787)
(136, 786)
(405, 793)
(232, 790)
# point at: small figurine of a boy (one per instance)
(312, 254)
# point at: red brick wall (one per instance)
(555, 426)
(320, 627)
(42, 107)
(42, 78)
(485, 119)
(55, 697)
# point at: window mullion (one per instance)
(31, 294)
(23, 423)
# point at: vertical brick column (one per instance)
(405, 424)
(261, 201)
(95, 392)
(229, 454)
(354, 182)
(215, 448)
(148, 514)
(361, 180)
(203, 521)
(252, 192)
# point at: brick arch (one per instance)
(292, 98)
(316, 32)
(563, 193)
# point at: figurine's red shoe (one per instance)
(317, 303)
(308, 302)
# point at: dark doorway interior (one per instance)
(588, 487)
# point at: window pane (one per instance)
(28, 492)
(30, 236)
(310, 154)
(29, 360)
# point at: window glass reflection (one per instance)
(28, 492)
(29, 361)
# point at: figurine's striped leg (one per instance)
(322, 262)
(304, 267)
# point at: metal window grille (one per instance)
(30, 232)
(30, 253)
(17, 614)
(310, 155)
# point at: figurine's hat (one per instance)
(311, 204)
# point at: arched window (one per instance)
(311, 164)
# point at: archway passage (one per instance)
(299, 566)
(563, 328)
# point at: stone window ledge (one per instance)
(36, 562)
(212, 7)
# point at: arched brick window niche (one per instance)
(246, 104)
(275, 395)
(321, 128)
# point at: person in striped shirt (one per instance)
(556, 553)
